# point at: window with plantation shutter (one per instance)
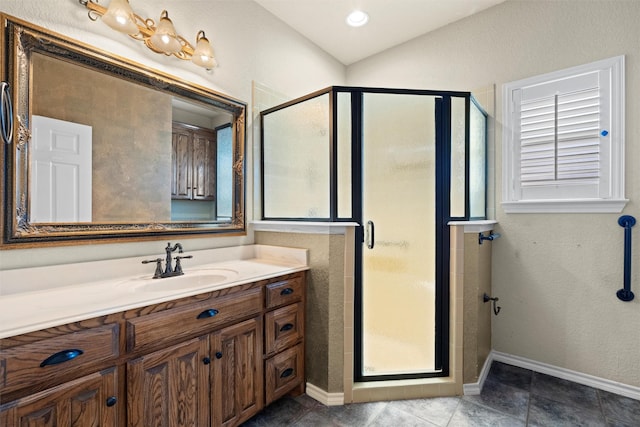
(563, 140)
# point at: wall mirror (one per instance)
(106, 149)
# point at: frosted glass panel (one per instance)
(296, 160)
(458, 124)
(344, 155)
(477, 163)
(398, 282)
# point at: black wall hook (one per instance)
(494, 300)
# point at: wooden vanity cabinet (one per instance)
(170, 385)
(193, 163)
(237, 373)
(86, 401)
(62, 376)
(212, 359)
(284, 337)
(215, 374)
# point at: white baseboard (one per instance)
(332, 399)
(567, 374)
(326, 398)
(476, 388)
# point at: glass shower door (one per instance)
(398, 324)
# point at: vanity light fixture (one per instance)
(160, 37)
(165, 39)
(119, 17)
(357, 18)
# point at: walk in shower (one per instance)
(402, 164)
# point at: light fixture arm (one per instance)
(146, 29)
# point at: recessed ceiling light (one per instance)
(357, 18)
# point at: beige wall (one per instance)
(555, 274)
(251, 46)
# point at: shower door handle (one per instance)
(371, 234)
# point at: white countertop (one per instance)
(36, 298)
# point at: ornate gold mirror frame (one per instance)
(20, 41)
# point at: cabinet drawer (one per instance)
(285, 291)
(283, 372)
(168, 326)
(91, 400)
(48, 360)
(283, 327)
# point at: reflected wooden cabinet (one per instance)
(193, 163)
(214, 359)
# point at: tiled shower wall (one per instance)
(477, 314)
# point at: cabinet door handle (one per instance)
(286, 373)
(286, 291)
(286, 327)
(219, 355)
(61, 357)
(206, 360)
(111, 400)
(207, 313)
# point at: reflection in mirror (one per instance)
(80, 117)
(113, 148)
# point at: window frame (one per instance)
(612, 152)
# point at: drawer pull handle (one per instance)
(61, 357)
(112, 400)
(218, 355)
(286, 373)
(207, 313)
(286, 291)
(286, 327)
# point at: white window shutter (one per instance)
(558, 139)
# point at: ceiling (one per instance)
(391, 22)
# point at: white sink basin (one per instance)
(190, 280)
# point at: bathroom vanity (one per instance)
(198, 355)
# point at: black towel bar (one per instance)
(626, 221)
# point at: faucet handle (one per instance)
(178, 269)
(158, 261)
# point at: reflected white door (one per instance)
(399, 253)
(61, 159)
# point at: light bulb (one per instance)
(164, 39)
(357, 18)
(119, 16)
(203, 53)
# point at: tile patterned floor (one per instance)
(511, 396)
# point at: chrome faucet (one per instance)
(169, 271)
(167, 265)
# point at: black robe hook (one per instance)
(494, 300)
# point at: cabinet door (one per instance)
(170, 387)
(181, 161)
(237, 373)
(89, 401)
(204, 165)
